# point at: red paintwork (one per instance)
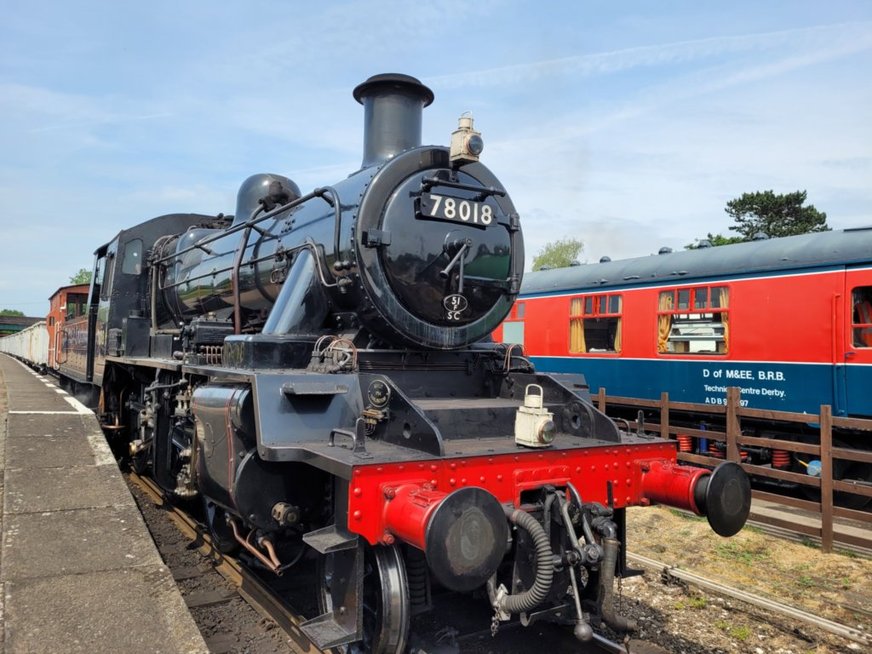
(669, 483)
(373, 487)
(802, 318)
(56, 320)
(407, 512)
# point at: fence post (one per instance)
(601, 399)
(826, 423)
(733, 428)
(664, 415)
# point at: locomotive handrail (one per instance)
(429, 182)
(241, 226)
(234, 272)
(242, 246)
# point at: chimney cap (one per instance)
(395, 80)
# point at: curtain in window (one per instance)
(724, 297)
(664, 321)
(576, 328)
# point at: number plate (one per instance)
(445, 207)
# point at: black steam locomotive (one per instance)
(318, 370)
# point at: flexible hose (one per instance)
(606, 588)
(534, 596)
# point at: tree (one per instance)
(775, 215)
(714, 240)
(81, 277)
(558, 254)
(10, 312)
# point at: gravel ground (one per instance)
(685, 620)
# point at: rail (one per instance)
(733, 439)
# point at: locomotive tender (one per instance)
(318, 371)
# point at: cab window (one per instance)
(132, 262)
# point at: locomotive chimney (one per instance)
(393, 104)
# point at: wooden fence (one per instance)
(731, 415)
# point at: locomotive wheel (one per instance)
(386, 611)
(216, 521)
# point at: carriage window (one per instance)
(513, 327)
(861, 319)
(698, 328)
(595, 324)
(76, 305)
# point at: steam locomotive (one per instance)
(317, 370)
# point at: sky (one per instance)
(627, 125)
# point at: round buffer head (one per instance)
(466, 539)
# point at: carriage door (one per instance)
(858, 342)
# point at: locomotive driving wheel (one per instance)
(385, 599)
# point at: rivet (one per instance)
(357, 515)
(358, 491)
(452, 481)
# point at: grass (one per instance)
(697, 602)
(739, 632)
(745, 553)
(806, 582)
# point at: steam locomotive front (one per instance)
(438, 242)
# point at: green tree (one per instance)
(714, 240)
(81, 277)
(10, 312)
(558, 254)
(774, 215)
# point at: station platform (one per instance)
(78, 567)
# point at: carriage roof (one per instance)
(762, 257)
